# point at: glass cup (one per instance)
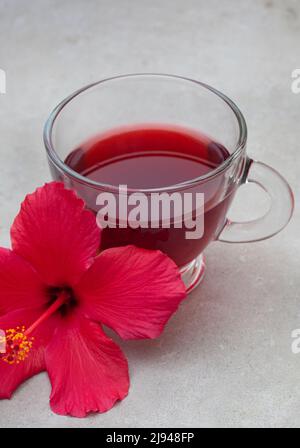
(169, 101)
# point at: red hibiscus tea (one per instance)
(156, 157)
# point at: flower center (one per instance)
(53, 292)
(18, 341)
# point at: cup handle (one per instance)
(275, 219)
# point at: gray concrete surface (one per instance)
(225, 359)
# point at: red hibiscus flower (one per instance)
(55, 293)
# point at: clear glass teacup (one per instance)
(162, 134)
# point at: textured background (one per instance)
(225, 359)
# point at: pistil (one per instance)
(18, 341)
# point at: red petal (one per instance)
(55, 234)
(11, 376)
(88, 371)
(134, 291)
(20, 286)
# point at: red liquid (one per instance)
(155, 157)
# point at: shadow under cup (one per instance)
(180, 118)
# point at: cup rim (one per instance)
(59, 163)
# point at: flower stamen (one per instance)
(18, 342)
(17, 345)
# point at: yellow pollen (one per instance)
(17, 345)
